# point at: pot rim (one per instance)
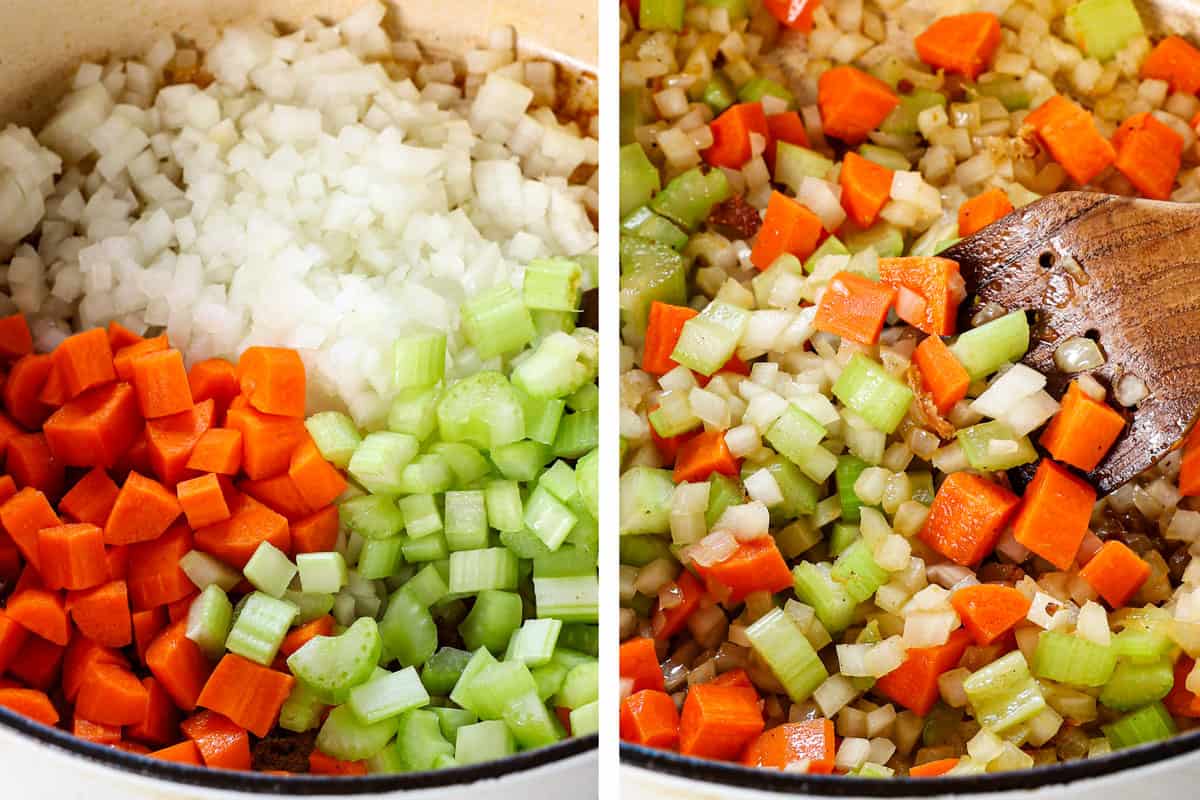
(297, 785)
(777, 781)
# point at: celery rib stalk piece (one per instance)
(553, 284)
(331, 666)
(419, 361)
(476, 570)
(1135, 685)
(710, 339)
(208, 621)
(493, 620)
(378, 463)
(419, 740)
(1149, 724)
(1104, 27)
(482, 410)
(833, 604)
(335, 435)
(496, 322)
(1072, 660)
(388, 695)
(985, 349)
(260, 627)
(572, 599)
(639, 178)
(483, 741)
(994, 447)
(646, 500)
(868, 389)
(780, 642)
(1004, 695)
(408, 629)
(441, 672)
(346, 737)
(856, 569)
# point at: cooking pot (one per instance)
(41, 44)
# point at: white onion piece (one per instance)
(910, 305)
(1078, 354)
(1031, 413)
(1006, 391)
(1131, 390)
(713, 549)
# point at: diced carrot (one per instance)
(160, 725)
(702, 455)
(1069, 132)
(788, 227)
(124, 358)
(102, 613)
(639, 663)
(273, 380)
(1181, 702)
(731, 135)
(23, 515)
(178, 664)
(318, 481)
(936, 280)
(146, 627)
(81, 657)
(8, 431)
(235, 539)
(853, 103)
(988, 611)
(968, 517)
(786, 127)
(316, 533)
(30, 703)
(1116, 573)
(202, 500)
(178, 609)
(170, 440)
(143, 511)
(161, 384)
(54, 392)
(72, 556)
(136, 458)
(15, 337)
(95, 731)
(321, 764)
(914, 684)
(649, 718)
(962, 43)
(279, 494)
(662, 334)
(942, 374)
(668, 448)
(669, 621)
(1149, 154)
(22, 387)
(248, 694)
(217, 450)
(222, 744)
(84, 360)
(215, 379)
(735, 677)
(813, 741)
(302, 635)
(933, 769)
(155, 577)
(719, 721)
(10, 557)
(113, 695)
(91, 499)
(31, 464)
(118, 562)
(267, 441)
(120, 337)
(40, 610)
(794, 14)
(38, 663)
(854, 307)
(12, 639)
(1083, 430)
(1175, 61)
(756, 565)
(982, 210)
(185, 752)
(1054, 514)
(132, 747)
(866, 188)
(8, 488)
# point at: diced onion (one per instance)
(1131, 390)
(1078, 354)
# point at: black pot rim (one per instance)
(295, 785)
(770, 780)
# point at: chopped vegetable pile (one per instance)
(825, 566)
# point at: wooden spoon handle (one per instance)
(1122, 271)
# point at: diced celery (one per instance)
(408, 629)
(414, 412)
(658, 273)
(466, 520)
(553, 284)
(645, 496)
(302, 711)
(1149, 724)
(270, 571)
(985, 349)
(552, 369)
(443, 669)
(379, 558)
(533, 643)
(844, 534)
(800, 493)
(1072, 660)
(494, 618)
(709, 339)
(723, 492)
(571, 599)
(794, 434)
(505, 511)
(427, 474)
(782, 645)
(468, 464)
(830, 247)
(581, 685)
(833, 604)
(311, 605)
(1143, 643)
(379, 461)
(474, 571)
(531, 723)
(419, 360)
(1104, 27)
(868, 389)
(335, 435)
(885, 157)
(451, 719)
(857, 570)
(1003, 694)
(848, 469)
(482, 410)
(496, 322)
(578, 434)
(548, 517)
(689, 198)
(718, 94)
(345, 737)
(1135, 685)
(994, 447)
(325, 573)
(639, 178)
(208, 621)
(421, 515)
(372, 516)
(581, 636)
(521, 461)
(585, 398)
(755, 89)
(886, 240)
(464, 693)
(794, 163)
(204, 571)
(585, 720)
(645, 223)
(388, 695)
(903, 119)
(386, 762)
(260, 627)
(484, 741)
(330, 666)
(1009, 90)
(427, 548)
(427, 587)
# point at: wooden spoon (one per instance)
(1122, 271)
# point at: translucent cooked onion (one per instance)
(654, 576)
(1078, 354)
(713, 549)
(1131, 390)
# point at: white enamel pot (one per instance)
(41, 44)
